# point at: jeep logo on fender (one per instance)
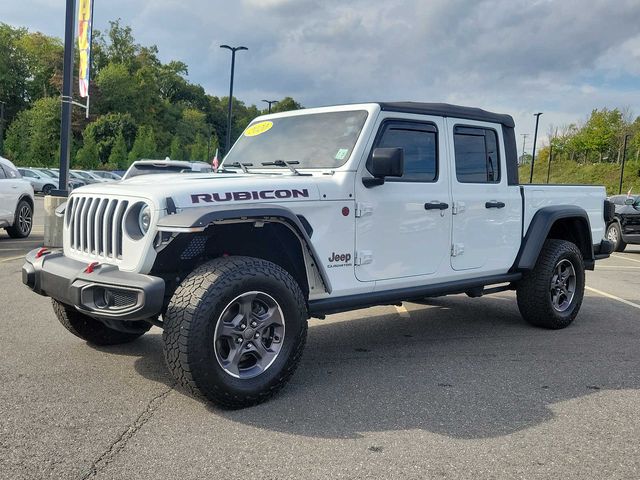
(339, 260)
(254, 195)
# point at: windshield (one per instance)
(317, 140)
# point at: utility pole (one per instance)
(535, 137)
(624, 157)
(550, 157)
(2, 104)
(67, 98)
(270, 102)
(524, 141)
(233, 65)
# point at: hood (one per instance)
(198, 190)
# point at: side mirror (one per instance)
(629, 201)
(385, 162)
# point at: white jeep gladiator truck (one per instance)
(315, 212)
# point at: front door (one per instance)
(486, 210)
(403, 227)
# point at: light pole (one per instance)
(233, 65)
(270, 102)
(550, 157)
(535, 137)
(624, 157)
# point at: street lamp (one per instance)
(270, 102)
(233, 64)
(624, 157)
(535, 137)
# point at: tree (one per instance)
(14, 70)
(198, 150)
(285, 105)
(144, 145)
(118, 90)
(176, 151)
(118, 156)
(87, 157)
(107, 127)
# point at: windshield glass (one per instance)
(317, 140)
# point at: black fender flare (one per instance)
(197, 219)
(539, 229)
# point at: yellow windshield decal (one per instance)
(258, 129)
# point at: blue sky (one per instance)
(560, 57)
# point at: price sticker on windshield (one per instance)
(258, 129)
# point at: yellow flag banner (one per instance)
(84, 44)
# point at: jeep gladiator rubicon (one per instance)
(315, 212)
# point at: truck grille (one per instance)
(94, 225)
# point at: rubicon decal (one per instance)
(253, 195)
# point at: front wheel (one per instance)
(235, 330)
(551, 294)
(23, 221)
(614, 235)
(46, 190)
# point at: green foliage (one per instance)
(87, 157)
(176, 152)
(106, 129)
(198, 149)
(144, 146)
(33, 137)
(118, 90)
(118, 157)
(285, 105)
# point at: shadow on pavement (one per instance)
(459, 368)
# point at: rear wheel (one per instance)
(94, 331)
(23, 221)
(235, 330)
(614, 235)
(46, 190)
(551, 294)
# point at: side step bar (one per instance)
(325, 306)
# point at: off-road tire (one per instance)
(92, 330)
(196, 308)
(15, 231)
(619, 244)
(533, 291)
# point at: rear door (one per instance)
(487, 212)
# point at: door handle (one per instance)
(436, 206)
(494, 204)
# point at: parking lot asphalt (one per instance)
(456, 388)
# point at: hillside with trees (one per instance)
(140, 106)
(591, 152)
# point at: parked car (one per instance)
(625, 227)
(74, 176)
(108, 175)
(40, 182)
(16, 201)
(72, 183)
(146, 167)
(316, 212)
(87, 177)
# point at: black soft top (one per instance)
(447, 110)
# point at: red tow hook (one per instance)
(91, 267)
(41, 252)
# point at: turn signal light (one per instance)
(91, 267)
(41, 252)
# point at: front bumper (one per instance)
(106, 292)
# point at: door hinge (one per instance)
(363, 209)
(457, 249)
(458, 207)
(363, 257)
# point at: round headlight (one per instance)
(144, 219)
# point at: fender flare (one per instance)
(197, 219)
(539, 229)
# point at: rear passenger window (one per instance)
(419, 142)
(476, 154)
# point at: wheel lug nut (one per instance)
(238, 340)
(249, 345)
(254, 324)
(242, 326)
(256, 335)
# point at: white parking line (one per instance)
(616, 267)
(612, 297)
(626, 258)
(402, 311)
(11, 258)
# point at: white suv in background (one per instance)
(40, 182)
(16, 201)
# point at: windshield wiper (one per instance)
(243, 166)
(283, 163)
